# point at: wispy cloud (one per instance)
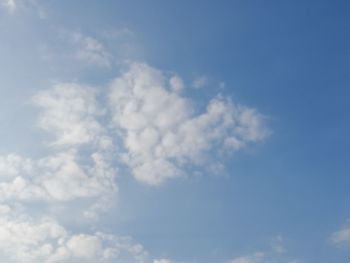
(277, 244)
(200, 82)
(88, 49)
(10, 5)
(277, 252)
(14, 6)
(341, 237)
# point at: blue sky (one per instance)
(174, 131)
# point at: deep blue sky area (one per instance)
(290, 60)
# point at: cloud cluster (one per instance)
(78, 166)
(24, 239)
(58, 178)
(161, 131)
(148, 125)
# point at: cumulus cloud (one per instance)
(62, 178)
(28, 240)
(70, 112)
(161, 131)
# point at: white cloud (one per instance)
(162, 134)
(70, 112)
(160, 131)
(24, 239)
(89, 49)
(60, 178)
(176, 84)
(14, 165)
(341, 237)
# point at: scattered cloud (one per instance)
(147, 125)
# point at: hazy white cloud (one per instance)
(162, 261)
(11, 5)
(276, 253)
(262, 257)
(118, 33)
(277, 244)
(176, 84)
(161, 131)
(13, 165)
(89, 49)
(200, 82)
(341, 237)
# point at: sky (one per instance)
(174, 131)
